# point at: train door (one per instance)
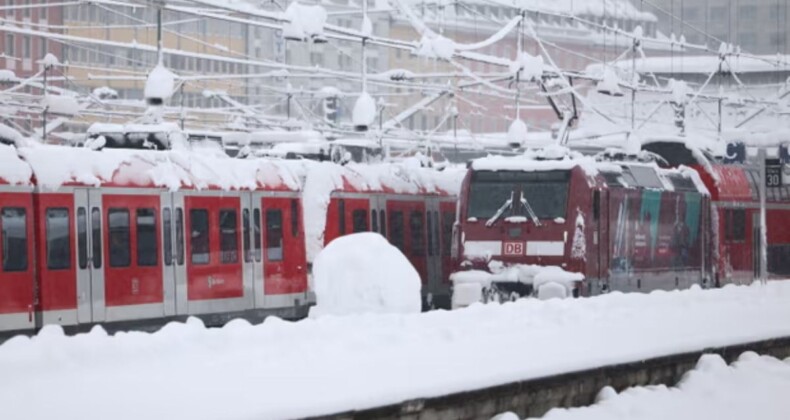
(169, 259)
(90, 271)
(251, 241)
(56, 272)
(173, 229)
(378, 214)
(284, 257)
(406, 220)
(133, 267)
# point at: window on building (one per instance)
(198, 237)
(718, 12)
(690, 13)
(58, 239)
(13, 223)
(274, 235)
(747, 40)
(228, 236)
(42, 42)
(9, 45)
(118, 225)
(748, 11)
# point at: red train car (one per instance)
(136, 238)
(414, 210)
(627, 226)
(735, 206)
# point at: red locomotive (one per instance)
(135, 238)
(613, 223)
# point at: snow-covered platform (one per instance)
(334, 364)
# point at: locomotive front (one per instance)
(521, 229)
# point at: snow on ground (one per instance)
(293, 369)
(363, 273)
(753, 387)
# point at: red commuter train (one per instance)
(135, 238)
(620, 223)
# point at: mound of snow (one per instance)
(160, 84)
(363, 273)
(364, 113)
(305, 21)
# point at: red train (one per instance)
(620, 223)
(135, 238)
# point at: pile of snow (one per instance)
(50, 60)
(753, 387)
(160, 84)
(105, 92)
(8, 76)
(548, 281)
(433, 45)
(363, 273)
(305, 22)
(9, 135)
(357, 362)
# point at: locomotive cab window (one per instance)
(198, 236)
(13, 223)
(58, 239)
(118, 225)
(546, 193)
(228, 236)
(274, 235)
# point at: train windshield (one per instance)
(546, 193)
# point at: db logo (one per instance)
(512, 248)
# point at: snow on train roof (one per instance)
(324, 178)
(546, 159)
(13, 170)
(55, 166)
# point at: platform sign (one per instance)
(773, 173)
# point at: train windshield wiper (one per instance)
(507, 205)
(531, 213)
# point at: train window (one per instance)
(146, 238)
(14, 227)
(82, 238)
(734, 225)
(274, 235)
(341, 214)
(430, 233)
(256, 221)
(294, 218)
(596, 205)
(228, 236)
(167, 228)
(448, 220)
(383, 222)
(118, 225)
(436, 241)
(613, 179)
(374, 221)
(198, 237)
(245, 235)
(180, 236)
(58, 239)
(359, 219)
(416, 227)
(96, 237)
(396, 230)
